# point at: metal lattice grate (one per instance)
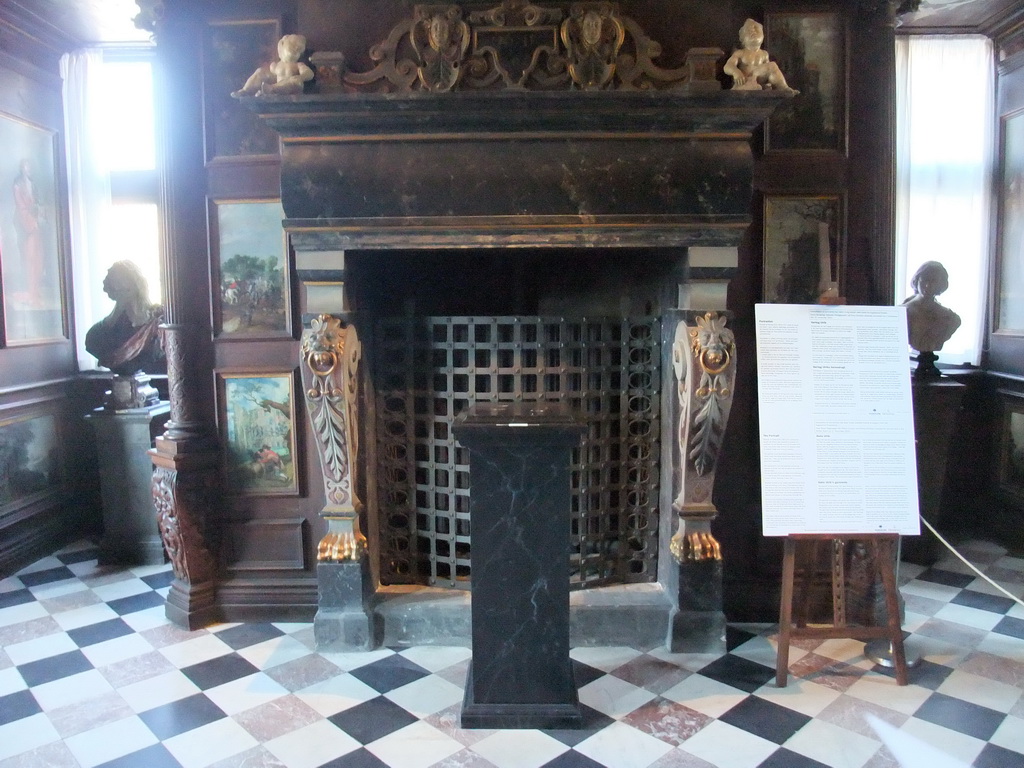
(428, 369)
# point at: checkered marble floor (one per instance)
(92, 674)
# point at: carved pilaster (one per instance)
(704, 365)
(182, 496)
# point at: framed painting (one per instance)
(1009, 304)
(1011, 465)
(233, 51)
(256, 416)
(802, 239)
(251, 270)
(30, 464)
(810, 49)
(30, 235)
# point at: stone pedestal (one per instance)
(342, 622)
(521, 674)
(123, 438)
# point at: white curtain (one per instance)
(88, 192)
(944, 137)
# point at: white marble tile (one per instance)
(196, 650)
(245, 693)
(117, 649)
(434, 658)
(931, 590)
(620, 746)
(336, 694)
(11, 681)
(348, 661)
(612, 696)
(140, 621)
(970, 617)
(519, 748)
(209, 743)
(271, 653)
(83, 617)
(157, 691)
(884, 691)
(705, 695)
(952, 744)
(58, 589)
(980, 690)
(119, 589)
(16, 614)
(726, 746)
(426, 696)
(311, 746)
(764, 650)
(832, 745)
(110, 741)
(606, 658)
(43, 564)
(41, 648)
(416, 746)
(1010, 735)
(71, 689)
(25, 734)
(803, 696)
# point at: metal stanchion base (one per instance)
(880, 652)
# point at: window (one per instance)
(112, 175)
(944, 126)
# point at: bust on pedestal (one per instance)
(128, 342)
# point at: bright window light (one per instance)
(135, 236)
(126, 96)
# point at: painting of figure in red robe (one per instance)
(29, 235)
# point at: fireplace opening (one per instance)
(451, 328)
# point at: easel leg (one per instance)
(884, 556)
(785, 613)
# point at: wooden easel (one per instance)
(883, 547)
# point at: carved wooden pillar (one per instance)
(185, 457)
(330, 362)
(704, 365)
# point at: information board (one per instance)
(836, 420)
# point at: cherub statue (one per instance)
(288, 75)
(749, 66)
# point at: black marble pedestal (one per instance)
(521, 674)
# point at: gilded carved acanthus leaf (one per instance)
(713, 346)
(522, 46)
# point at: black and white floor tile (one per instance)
(93, 674)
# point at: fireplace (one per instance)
(546, 232)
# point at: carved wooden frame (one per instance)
(834, 22)
(216, 227)
(223, 378)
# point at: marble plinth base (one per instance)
(130, 531)
(342, 622)
(521, 674)
(697, 623)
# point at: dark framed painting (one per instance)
(30, 460)
(256, 416)
(802, 240)
(233, 51)
(1011, 464)
(30, 235)
(1009, 304)
(810, 49)
(250, 269)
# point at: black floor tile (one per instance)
(584, 673)
(223, 669)
(244, 635)
(133, 603)
(390, 673)
(593, 721)
(372, 719)
(160, 580)
(948, 578)
(992, 756)
(16, 597)
(765, 719)
(1010, 626)
(959, 715)
(572, 759)
(18, 705)
(181, 716)
(156, 756)
(54, 668)
(734, 637)
(738, 672)
(361, 758)
(981, 601)
(99, 632)
(48, 576)
(784, 758)
(78, 556)
(926, 674)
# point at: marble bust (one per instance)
(128, 339)
(929, 324)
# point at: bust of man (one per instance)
(128, 339)
(930, 325)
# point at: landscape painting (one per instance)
(257, 421)
(251, 268)
(29, 459)
(33, 308)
